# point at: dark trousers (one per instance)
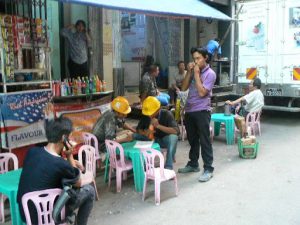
(78, 70)
(197, 128)
(85, 201)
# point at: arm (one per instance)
(126, 126)
(236, 101)
(199, 85)
(73, 163)
(128, 138)
(187, 79)
(66, 31)
(168, 130)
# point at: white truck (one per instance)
(268, 46)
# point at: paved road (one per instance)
(264, 191)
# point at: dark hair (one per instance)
(257, 83)
(217, 39)
(202, 51)
(149, 60)
(56, 128)
(144, 123)
(180, 63)
(78, 22)
(153, 68)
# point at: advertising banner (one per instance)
(22, 118)
(83, 121)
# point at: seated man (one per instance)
(44, 168)
(106, 126)
(254, 102)
(166, 128)
(144, 130)
(148, 86)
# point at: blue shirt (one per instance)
(212, 47)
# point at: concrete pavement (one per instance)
(263, 191)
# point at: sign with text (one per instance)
(22, 118)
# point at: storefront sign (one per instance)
(22, 118)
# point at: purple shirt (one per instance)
(194, 101)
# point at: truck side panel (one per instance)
(269, 41)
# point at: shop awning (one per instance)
(175, 8)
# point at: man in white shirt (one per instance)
(254, 100)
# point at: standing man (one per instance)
(200, 79)
(166, 128)
(177, 83)
(79, 42)
(213, 47)
(148, 86)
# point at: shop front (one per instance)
(31, 71)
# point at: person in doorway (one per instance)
(177, 83)
(107, 124)
(213, 47)
(254, 101)
(79, 43)
(148, 86)
(44, 168)
(199, 79)
(166, 128)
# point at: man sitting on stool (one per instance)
(254, 103)
(166, 128)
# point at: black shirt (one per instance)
(166, 119)
(42, 170)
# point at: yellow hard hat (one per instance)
(150, 106)
(121, 105)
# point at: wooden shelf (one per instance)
(30, 71)
(83, 95)
(25, 83)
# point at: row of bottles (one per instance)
(79, 86)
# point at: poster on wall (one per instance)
(83, 121)
(294, 24)
(256, 35)
(83, 115)
(294, 17)
(252, 30)
(22, 118)
(133, 36)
